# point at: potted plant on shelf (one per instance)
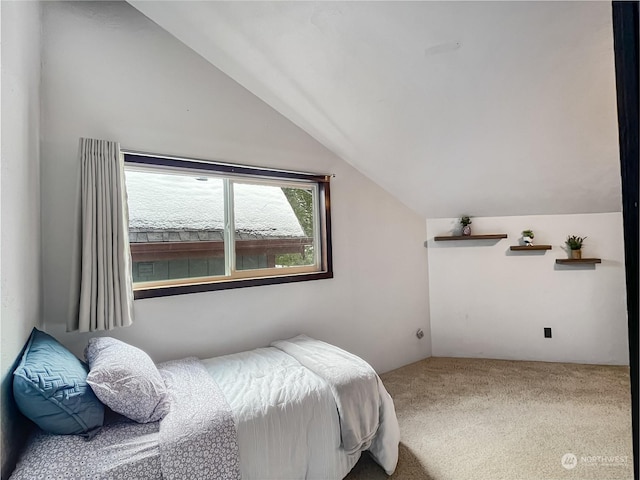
(465, 221)
(527, 237)
(574, 243)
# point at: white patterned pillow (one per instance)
(125, 379)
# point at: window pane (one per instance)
(200, 226)
(274, 226)
(176, 225)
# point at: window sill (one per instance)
(141, 291)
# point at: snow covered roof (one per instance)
(172, 202)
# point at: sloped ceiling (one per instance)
(481, 108)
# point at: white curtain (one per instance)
(102, 285)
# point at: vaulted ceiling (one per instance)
(483, 108)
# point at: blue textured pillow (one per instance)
(50, 387)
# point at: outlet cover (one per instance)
(547, 332)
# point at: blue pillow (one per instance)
(50, 388)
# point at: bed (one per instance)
(299, 409)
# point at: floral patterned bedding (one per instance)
(198, 436)
(121, 450)
(197, 439)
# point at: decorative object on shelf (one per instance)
(527, 237)
(465, 221)
(575, 245)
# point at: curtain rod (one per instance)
(128, 151)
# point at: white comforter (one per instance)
(287, 416)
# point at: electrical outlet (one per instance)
(547, 332)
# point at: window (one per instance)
(196, 226)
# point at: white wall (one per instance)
(111, 73)
(20, 264)
(489, 302)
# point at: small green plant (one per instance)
(574, 242)
(465, 220)
(528, 233)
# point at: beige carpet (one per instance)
(468, 419)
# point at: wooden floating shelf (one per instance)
(573, 261)
(493, 236)
(532, 247)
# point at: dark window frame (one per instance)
(324, 209)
